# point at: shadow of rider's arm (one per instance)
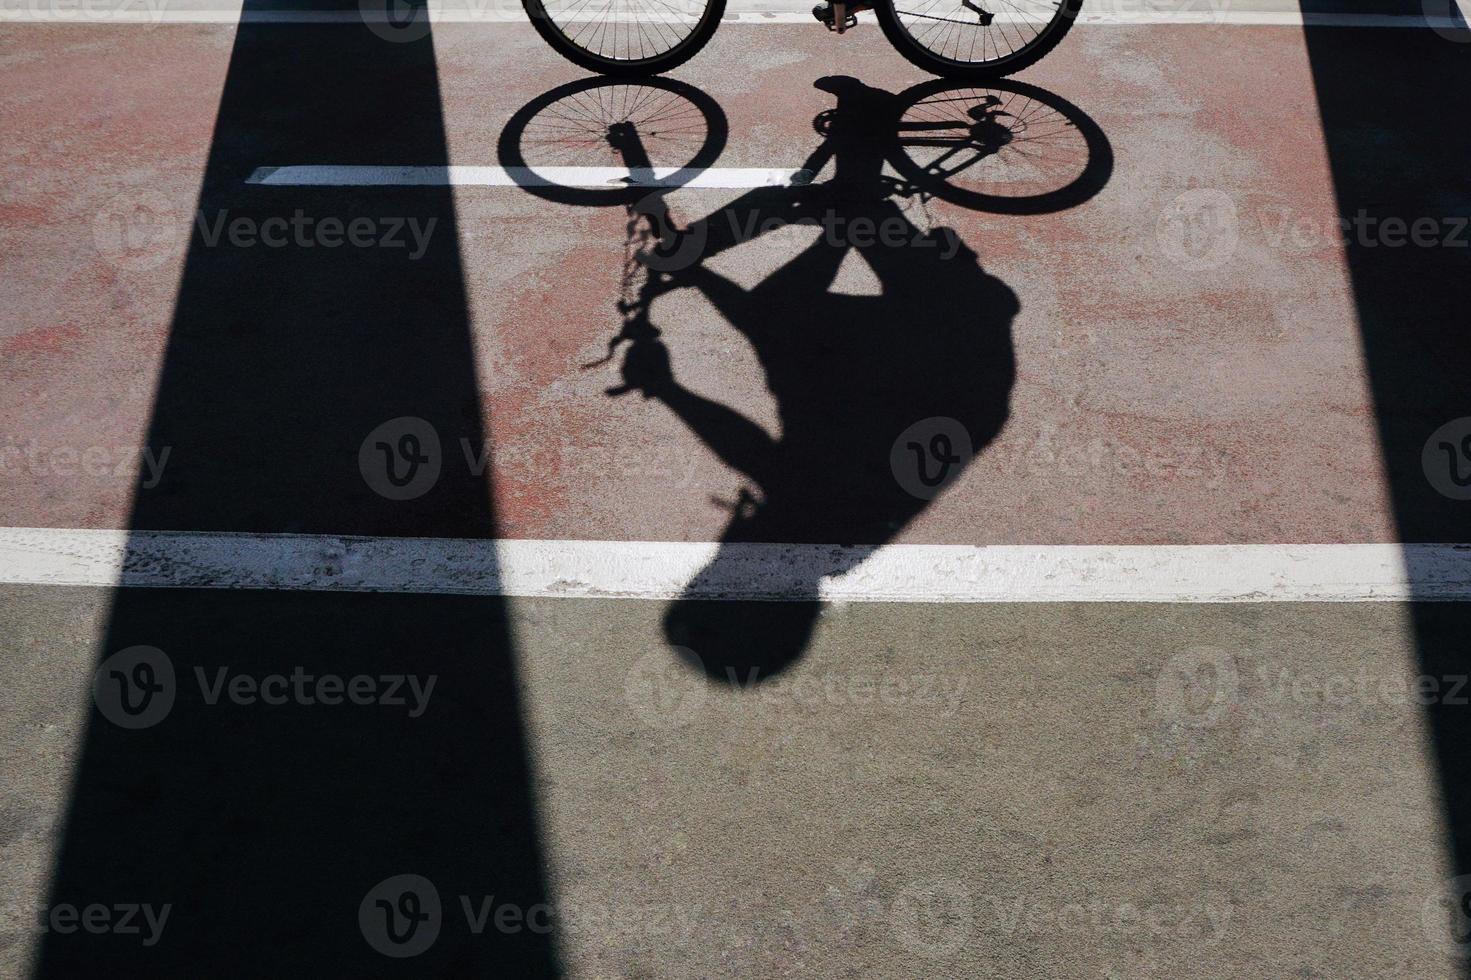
(740, 443)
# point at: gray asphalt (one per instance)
(989, 790)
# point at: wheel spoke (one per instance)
(954, 30)
(625, 30)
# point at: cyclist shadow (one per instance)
(882, 399)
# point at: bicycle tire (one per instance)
(976, 71)
(553, 33)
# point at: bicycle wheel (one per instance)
(629, 137)
(1006, 147)
(975, 39)
(626, 37)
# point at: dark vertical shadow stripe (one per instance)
(264, 826)
(1394, 106)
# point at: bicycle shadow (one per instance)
(883, 399)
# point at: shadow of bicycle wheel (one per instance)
(1005, 148)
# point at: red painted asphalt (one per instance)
(1157, 400)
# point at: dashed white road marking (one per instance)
(667, 570)
(463, 176)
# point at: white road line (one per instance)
(666, 570)
(1120, 12)
(464, 176)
